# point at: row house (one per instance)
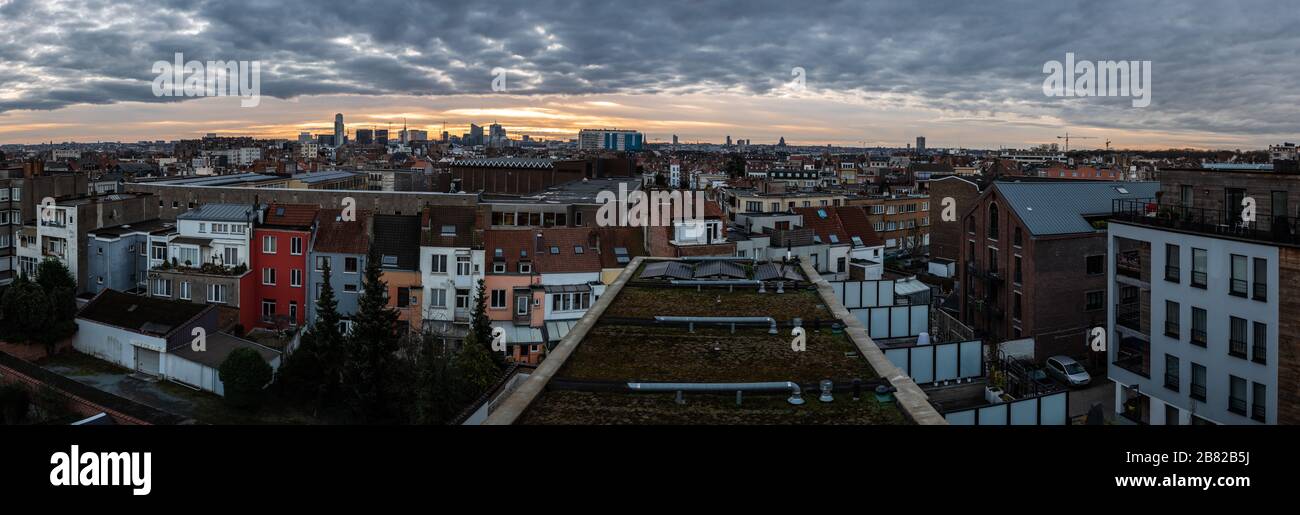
(279, 247)
(836, 241)
(119, 256)
(206, 258)
(61, 229)
(396, 245)
(343, 246)
(451, 263)
(902, 221)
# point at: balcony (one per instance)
(1134, 355)
(1149, 212)
(1129, 315)
(1129, 264)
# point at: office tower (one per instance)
(338, 129)
(365, 136)
(920, 144)
(381, 136)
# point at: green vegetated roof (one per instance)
(555, 407)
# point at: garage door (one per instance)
(146, 361)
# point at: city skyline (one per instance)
(969, 85)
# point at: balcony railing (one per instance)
(1238, 287)
(1171, 330)
(1261, 291)
(1173, 273)
(1129, 264)
(1129, 315)
(1257, 412)
(1237, 405)
(1171, 382)
(1237, 348)
(1259, 353)
(1198, 392)
(1200, 279)
(1198, 337)
(1134, 362)
(1278, 229)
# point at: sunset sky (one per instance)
(962, 74)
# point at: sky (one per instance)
(963, 74)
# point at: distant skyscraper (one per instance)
(610, 139)
(304, 137)
(674, 139)
(338, 129)
(381, 136)
(475, 135)
(728, 140)
(365, 136)
(496, 135)
(920, 143)
(781, 143)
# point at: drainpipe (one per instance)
(691, 321)
(796, 393)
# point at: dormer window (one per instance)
(448, 230)
(525, 268)
(389, 261)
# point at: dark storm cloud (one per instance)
(1219, 67)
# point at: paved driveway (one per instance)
(125, 385)
(1102, 390)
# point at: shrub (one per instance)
(244, 373)
(14, 403)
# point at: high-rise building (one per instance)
(496, 135)
(782, 142)
(728, 140)
(920, 144)
(365, 136)
(338, 129)
(610, 139)
(304, 137)
(674, 139)
(381, 136)
(475, 135)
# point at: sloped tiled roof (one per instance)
(630, 239)
(510, 243)
(843, 223)
(398, 235)
(220, 213)
(459, 219)
(854, 221)
(337, 236)
(290, 216)
(1050, 208)
(557, 251)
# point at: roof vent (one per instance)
(826, 387)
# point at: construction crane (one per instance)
(1108, 145)
(1067, 138)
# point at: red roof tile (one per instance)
(290, 216)
(335, 235)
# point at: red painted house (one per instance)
(279, 257)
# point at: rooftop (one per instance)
(505, 162)
(627, 345)
(220, 213)
(145, 315)
(397, 241)
(219, 346)
(572, 192)
(1053, 208)
(290, 216)
(337, 236)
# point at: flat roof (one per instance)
(626, 345)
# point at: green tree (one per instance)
(476, 366)
(311, 372)
(244, 374)
(61, 290)
(26, 310)
(371, 347)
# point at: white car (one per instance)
(1066, 370)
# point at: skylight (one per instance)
(448, 230)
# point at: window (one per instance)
(350, 288)
(322, 262)
(405, 299)
(295, 245)
(571, 301)
(1236, 395)
(1172, 270)
(993, 221)
(1096, 264)
(1172, 380)
(1018, 277)
(1237, 287)
(462, 298)
(1095, 300)
(498, 299)
(438, 298)
(525, 268)
(1015, 306)
(188, 256)
(521, 305)
(159, 251)
(268, 276)
(268, 310)
(499, 267)
(1258, 399)
(162, 287)
(1259, 290)
(293, 312)
(1198, 326)
(462, 265)
(230, 255)
(1198, 382)
(217, 293)
(1199, 268)
(1018, 239)
(268, 244)
(350, 265)
(970, 225)
(1237, 337)
(1171, 320)
(1259, 348)
(185, 290)
(295, 278)
(438, 264)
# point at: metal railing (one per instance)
(1198, 337)
(1237, 405)
(1277, 229)
(1198, 392)
(1172, 381)
(1173, 273)
(1260, 291)
(1238, 287)
(1237, 348)
(1129, 315)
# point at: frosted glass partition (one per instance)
(1054, 409)
(1047, 410)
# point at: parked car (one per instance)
(1066, 370)
(1044, 382)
